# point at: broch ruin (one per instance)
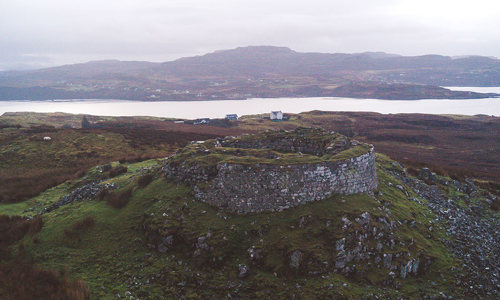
(274, 170)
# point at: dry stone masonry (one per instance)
(273, 171)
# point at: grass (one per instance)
(32, 206)
(109, 254)
(29, 165)
(206, 154)
(112, 256)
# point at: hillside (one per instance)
(125, 228)
(258, 61)
(257, 71)
(151, 239)
(457, 146)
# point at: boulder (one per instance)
(295, 259)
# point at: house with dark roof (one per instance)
(276, 115)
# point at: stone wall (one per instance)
(264, 187)
(305, 140)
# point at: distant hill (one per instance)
(245, 72)
(103, 69)
(262, 60)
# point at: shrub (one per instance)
(103, 194)
(27, 281)
(12, 229)
(144, 180)
(80, 174)
(119, 199)
(19, 278)
(117, 171)
(83, 225)
(86, 223)
(133, 159)
(36, 224)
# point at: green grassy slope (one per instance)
(113, 257)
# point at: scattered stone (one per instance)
(201, 243)
(340, 245)
(88, 191)
(425, 173)
(475, 235)
(295, 259)
(387, 260)
(243, 270)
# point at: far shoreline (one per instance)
(220, 108)
(496, 96)
(485, 92)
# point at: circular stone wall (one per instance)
(242, 183)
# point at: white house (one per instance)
(276, 115)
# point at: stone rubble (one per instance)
(88, 191)
(474, 235)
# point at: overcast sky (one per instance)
(39, 33)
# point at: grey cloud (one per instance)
(75, 31)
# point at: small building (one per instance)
(276, 115)
(232, 117)
(201, 121)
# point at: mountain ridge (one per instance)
(255, 71)
(372, 54)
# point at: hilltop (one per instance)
(273, 171)
(258, 71)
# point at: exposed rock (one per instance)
(341, 261)
(475, 235)
(165, 243)
(255, 254)
(427, 174)
(201, 243)
(295, 259)
(340, 245)
(364, 219)
(387, 260)
(88, 191)
(243, 270)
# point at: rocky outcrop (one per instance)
(375, 243)
(474, 235)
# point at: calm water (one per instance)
(217, 109)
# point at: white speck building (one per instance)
(276, 115)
